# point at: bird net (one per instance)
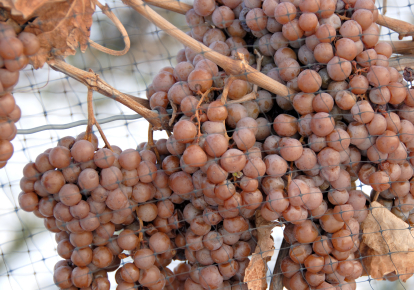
(206, 144)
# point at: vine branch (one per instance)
(95, 83)
(403, 46)
(403, 28)
(231, 66)
(175, 6)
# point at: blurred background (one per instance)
(27, 249)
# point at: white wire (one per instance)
(77, 123)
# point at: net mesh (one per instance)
(54, 105)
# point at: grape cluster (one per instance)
(292, 159)
(349, 118)
(93, 200)
(14, 52)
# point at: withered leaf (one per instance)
(384, 232)
(379, 266)
(257, 268)
(61, 28)
(25, 8)
(387, 244)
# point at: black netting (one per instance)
(54, 105)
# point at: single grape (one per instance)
(309, 81)
(285, 12)
(222, 17)
(204, 7)
(339, 68)
(292, 30)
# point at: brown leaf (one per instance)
(61, 28)
(379, 266)
(387, 244)
(25, 8)
(257, 268)
(384, 232)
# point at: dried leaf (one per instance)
(408, 74)
(25, 8)
(257, 268)
(61, 28)
(379, 266)
(384, 232)
(387, 244)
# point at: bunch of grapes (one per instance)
(293, 159)
(14, 52)
(359, 127)
(93, 199)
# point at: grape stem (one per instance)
(259, 60)
(290, 176)
(150, 143)
(140, 235)
(245, 98)
(92, 121)
(227, 85)
(106, 10)
(174, 113)
(197, 110)
(123, 256)
(357, 70)
(343, 17)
